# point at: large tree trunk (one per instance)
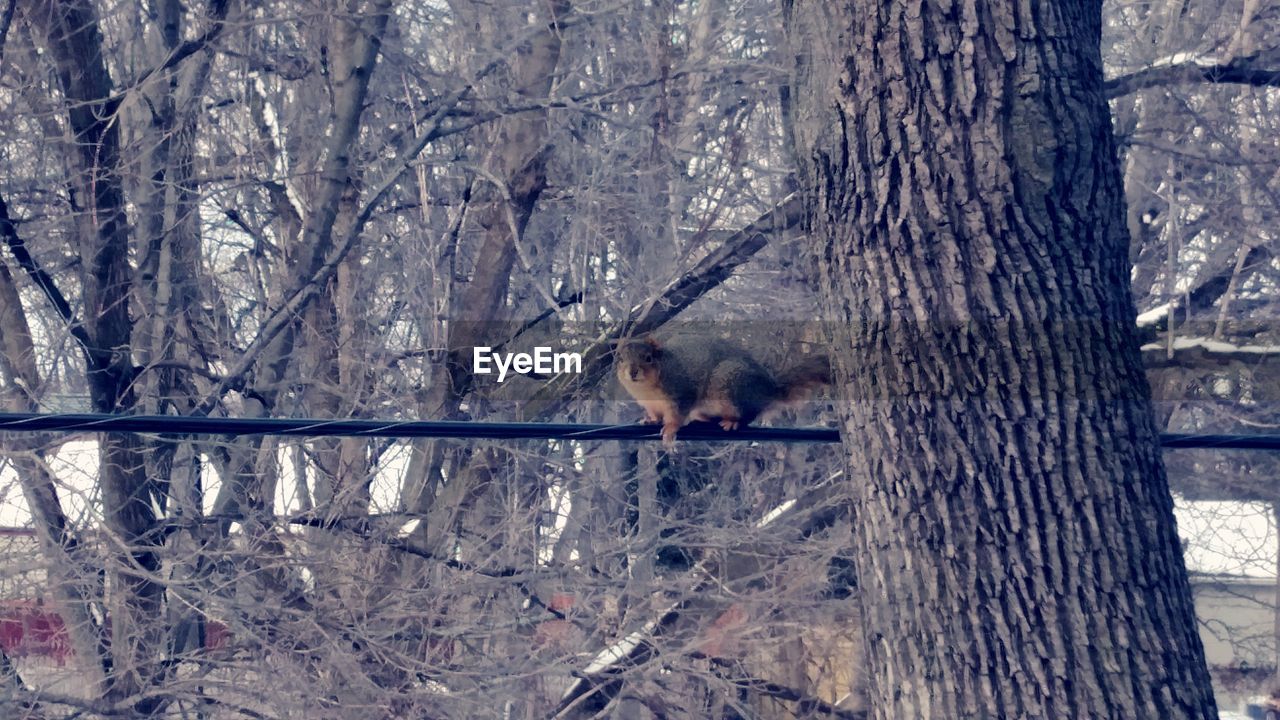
(1017, 553)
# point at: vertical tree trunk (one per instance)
(1017, 553)
(128, 494)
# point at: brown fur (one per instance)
(686, 378)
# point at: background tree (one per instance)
(294, 210)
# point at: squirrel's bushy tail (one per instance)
(797, 382)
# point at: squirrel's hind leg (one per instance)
(719, 405)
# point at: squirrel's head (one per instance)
(638, 360)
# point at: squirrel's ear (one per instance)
(653, 349)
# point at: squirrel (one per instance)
(696, 378)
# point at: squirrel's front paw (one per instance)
(729, 424)
(669, 437)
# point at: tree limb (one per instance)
(720, 667)
(1249, 70)
(1208, 290)
(6, 20)
(1190, 353)
(600, 679)
(39, 487)
(43, 280)
(706, 275)
(217, 13)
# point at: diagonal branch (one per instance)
(716, 267)
(6, 20)
(705, 276)
(1259, 69)
(727, 671)
(44, 281)
(1207, 291)
(217, 13)
(601, 680)
(307, 291)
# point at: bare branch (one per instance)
(218, 14)
(1260, 69)
(1207, 353)
(705, 276)
(729, 672)
(6, 21)
(43, 280)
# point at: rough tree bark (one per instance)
(1016, 550)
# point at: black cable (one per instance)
(1177, 441)
(179, 425)
(305, 427)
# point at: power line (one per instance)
(179, 425)
(308, 427)
(1178, 441)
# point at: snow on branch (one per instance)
(1191, 352)
(1152, 317)
(1262, 68)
